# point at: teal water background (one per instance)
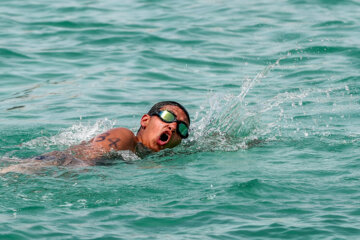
(272, 88)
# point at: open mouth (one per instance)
(164, 138)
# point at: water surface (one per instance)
(272, 88)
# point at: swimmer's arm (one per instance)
(115, 139)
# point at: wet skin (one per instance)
(154, 129)
(153, 134)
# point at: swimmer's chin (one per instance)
(163, 141)
(159, 145)
(156, 147)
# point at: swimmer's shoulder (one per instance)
(116, 138)
(120, 131)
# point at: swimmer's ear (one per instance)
(145, 121)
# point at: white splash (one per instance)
(228, 124)
(71, 136)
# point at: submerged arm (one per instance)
(113, 140)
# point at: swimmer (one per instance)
(164, 126)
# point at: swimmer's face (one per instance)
(157, 134)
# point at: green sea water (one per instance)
(272, 87)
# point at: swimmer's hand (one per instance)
(26, 168)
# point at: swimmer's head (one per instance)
(164, 126)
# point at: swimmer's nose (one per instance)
(172, 126)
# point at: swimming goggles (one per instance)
(169, 117)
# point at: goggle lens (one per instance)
(183, 129)
(167, 116)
